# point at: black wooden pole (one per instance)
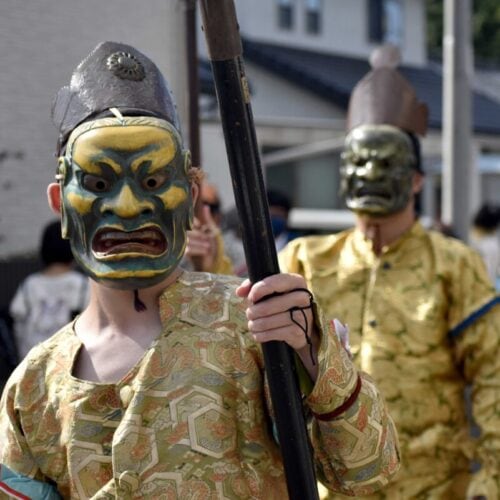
(224, 46)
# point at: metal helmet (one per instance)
(113, 75)
(384, 97)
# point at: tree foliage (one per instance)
(485, 28)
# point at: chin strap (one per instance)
(139, 305)
(304, 327)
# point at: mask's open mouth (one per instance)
(110, 242)
(372, 192)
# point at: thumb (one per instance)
(208, 220)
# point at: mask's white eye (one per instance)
(351, 158)
(96, 184)
(154, 181)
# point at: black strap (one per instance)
(305, 327)
(139, 305)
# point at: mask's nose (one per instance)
(126, 204)
(370, 171)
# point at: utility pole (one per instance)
(193, 82)
(176, 67)
(459, 176)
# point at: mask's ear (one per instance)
(54, 197)
(195, 192)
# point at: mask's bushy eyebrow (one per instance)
(97, 164)
(106, 166)
(154, 157)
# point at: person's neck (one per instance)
(112, 306)
(113, 333)
(385, 230)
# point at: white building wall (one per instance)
(277, 98)
(214, 161)
(345, 27)
(41, 42)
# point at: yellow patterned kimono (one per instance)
(191, 420)
(403, 310)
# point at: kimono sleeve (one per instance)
(20, 476)
(355, 441)
(13, 485)
(475, 337)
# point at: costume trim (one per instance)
(115, 121)
(325, 417)
(11, 492)
(454, 333)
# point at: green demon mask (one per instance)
(126, 199)
(378, 164)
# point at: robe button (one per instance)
(129, 481)
(126, 394)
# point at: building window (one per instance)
(385, 21)
(313, 16)
(393, 25)
(285, 14)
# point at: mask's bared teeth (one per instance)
(149, 241)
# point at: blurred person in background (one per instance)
(485, 238)
(205, 246)
(8, 349)
(422, 316)
(47, 300)
(202, 242)
(233, 243)
(279, 210)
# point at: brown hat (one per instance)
(383, 96)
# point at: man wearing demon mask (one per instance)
(422, 314)
(157, 389)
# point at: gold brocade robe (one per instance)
(400, 308)
(191, 419)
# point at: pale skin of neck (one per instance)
(385, 230)
(57, 268)
(110, 325)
